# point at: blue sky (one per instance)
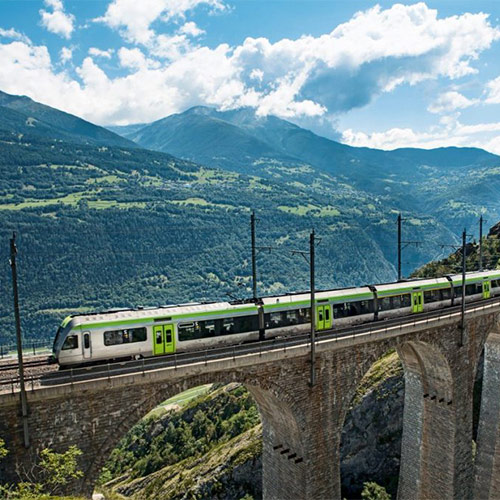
(383, 74)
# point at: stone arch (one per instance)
(278, 418)
(429, 423)
(371, 427)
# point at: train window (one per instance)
(190, 331)
(86, 340)
(327, 313)
(71, 342)
(228, 326)
(406, 300)
(473, 288)
(159, 336)
(244, 324)
(292, 317)
(495, 283)
(126, 336)
(431, 296)
(365, 306)
(445, 293)
(339, 311)
(385, 304)
(304, 316)
(457, 291)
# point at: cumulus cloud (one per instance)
(321, 76)
(65, 55)
(57, 21)
(191, 29)
(450, 101)
(14, 35)
(134, 18)
(105, 54)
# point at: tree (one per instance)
(54, 471)
(3, 450)
(373, 491)
(58, 469)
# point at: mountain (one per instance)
(20, 114)
(206, 136)
(102, 226)
(452, 185)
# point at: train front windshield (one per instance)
(56, 340)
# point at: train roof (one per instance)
(165, 313)
(408, 286)
(472, 276)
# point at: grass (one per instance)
(73, 199)
(389, 365)
(200, 202)
(181, 399)
(301, 210)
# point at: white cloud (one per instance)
(452, 133)
(191, 29)
(451, 101)
(106, 54)
(308, 77)
(134, 18)
(66, 55)
(135, 59)
(493, 91)
(57, 21)
(14, 35)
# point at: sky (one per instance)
(383, 75)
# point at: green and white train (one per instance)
(136, 333)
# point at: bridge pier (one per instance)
(487, 472)
(436, 450)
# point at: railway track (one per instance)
(52, 376)
(27, 364)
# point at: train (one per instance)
(141, 332)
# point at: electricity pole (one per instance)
(310, 257)
(399, 246)
(462, 326)
(24, 400)
(313, 311)
(254, 265)
(481, 243)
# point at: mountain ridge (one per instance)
(41, 119)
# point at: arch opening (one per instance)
(371, 435)
(203, 440)
(206, 439)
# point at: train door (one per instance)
(486, 289)
(323, 317)
(163, 338)
(87, 346)
(417, 302)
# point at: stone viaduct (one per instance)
(302, 425)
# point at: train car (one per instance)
(134, 333)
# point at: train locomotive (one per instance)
(147, 332)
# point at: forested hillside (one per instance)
(106, 226)
(449, 186)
